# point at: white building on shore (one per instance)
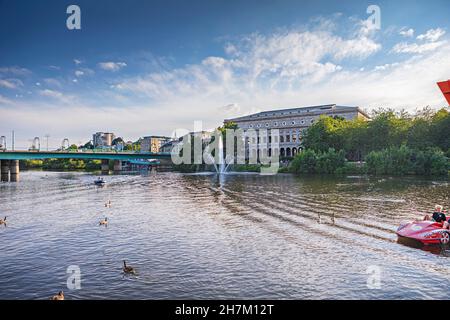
(291, 123)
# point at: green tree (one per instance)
(73, 147)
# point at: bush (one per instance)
(310, 161)
(304, 162)
(328, 162)
(246, 168)
(439, 163)
(31, 164)
(93, 165)
(403, 160)
(352, 168)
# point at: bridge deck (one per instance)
(29, 155)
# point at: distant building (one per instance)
(292, 124)
(153, 143)
(102, 139)
(168, 146)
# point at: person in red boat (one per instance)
(437, 216)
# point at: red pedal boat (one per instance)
(427, 232)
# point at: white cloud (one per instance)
(11, 83)
(84, 72)
(432, 35)
(408, 33)
(404, 47)
(77, 61)
(280, 60)
(427, 42)
(53, 82)
(14, 70)
(112, 66)
(57, 95)
(231, 108)
(385, 66)
(5, 101)
(51, 93)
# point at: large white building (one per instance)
(291, 124)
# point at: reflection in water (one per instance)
(210, 236)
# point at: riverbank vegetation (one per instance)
(62, 164)
(391, 143)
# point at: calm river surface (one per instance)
(201, 237)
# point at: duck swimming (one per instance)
(104, 222)
(59, 296)
(128, 269)
(3, 221)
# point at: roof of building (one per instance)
(298, 110)
(158, 137)
(168, 143)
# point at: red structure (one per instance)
(445, 88)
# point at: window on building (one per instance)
(281, 139)
(303, 121)
(253, 140)
(284, 123)
(288, 138)
(294, 137)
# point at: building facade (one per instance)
(168, 146)
(153, 143)
(291, 123)
(102, 139)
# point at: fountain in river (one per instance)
(221, 163)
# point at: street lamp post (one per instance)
(46, 137)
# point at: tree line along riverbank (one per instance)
(391, 143)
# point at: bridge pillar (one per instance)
(4, 165)
(14, 169)
(105, 166)
(117, 165)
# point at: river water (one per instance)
(209, 237)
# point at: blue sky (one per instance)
(150, 67)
